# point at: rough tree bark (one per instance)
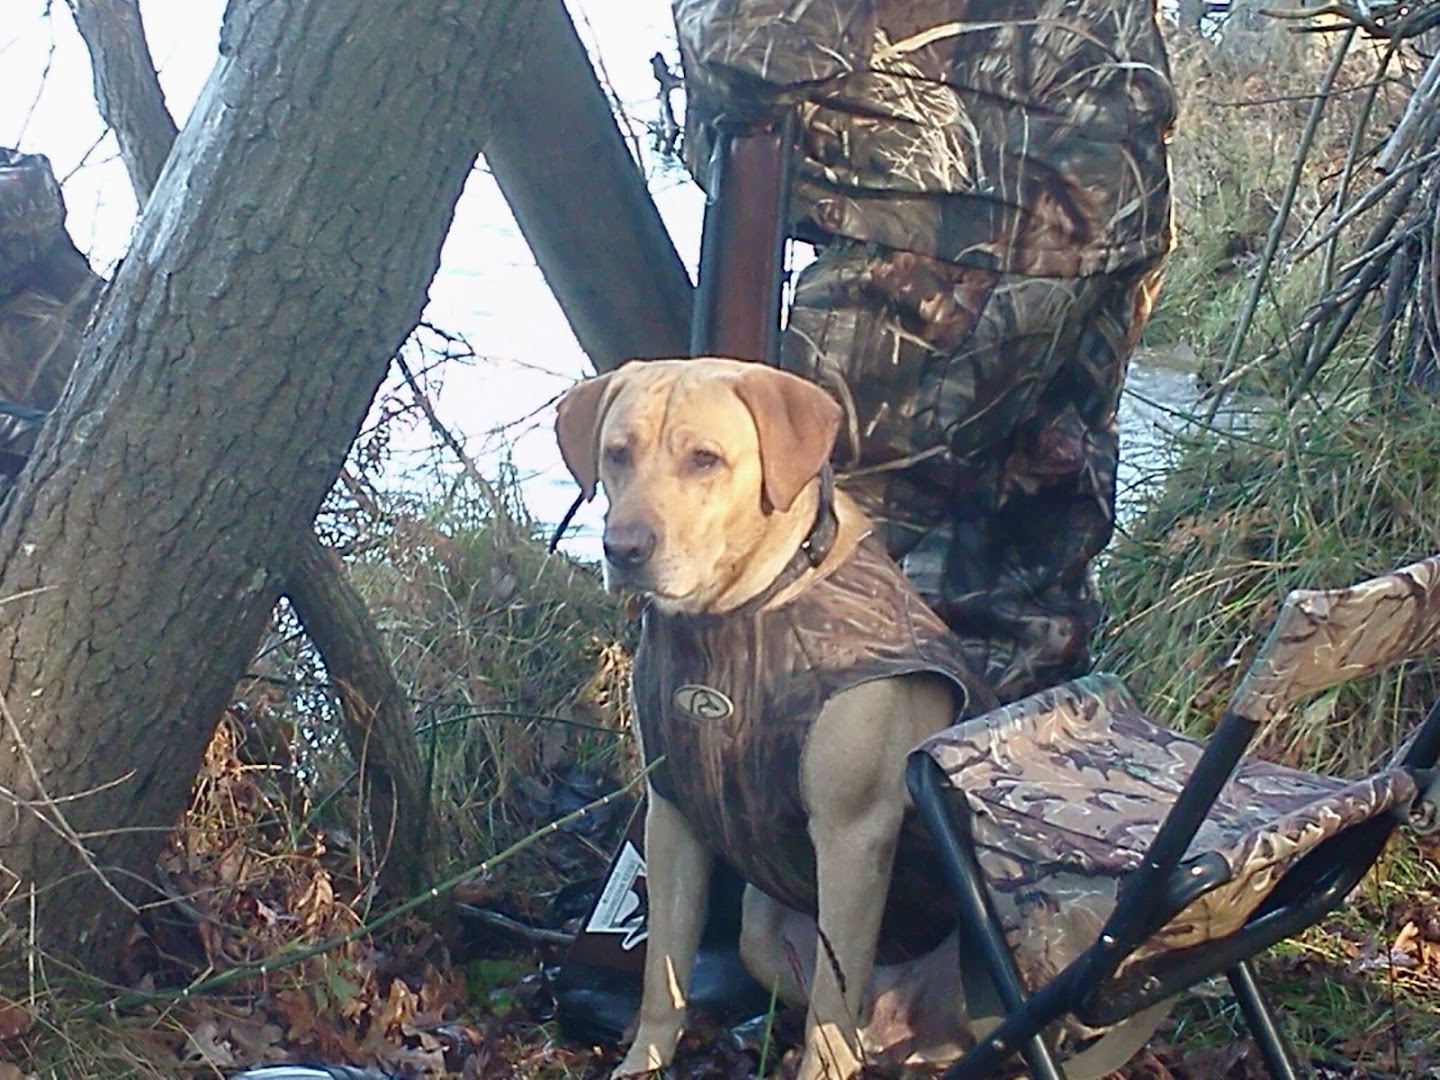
(376, 718)
(278, 265)
(372, 702)
(47, 292)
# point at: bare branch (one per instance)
(127, 88)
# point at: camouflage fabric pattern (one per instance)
(1023, 136)
(1068, 788)
(980, 427)
(1324, 637)
(733, 768)
(47, 291)
(990, 187)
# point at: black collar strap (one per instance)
(821, 537)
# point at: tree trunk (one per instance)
(277, 267)
(375, 714)
(582, 205)
(377, 722)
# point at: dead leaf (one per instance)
(1406, 939)
(9, 1071)
(298, 1013)
(257, 1041)
(207, 1044)
(398, 1008)
(15, 1020)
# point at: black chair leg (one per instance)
(1278, 1059)
(980, 929)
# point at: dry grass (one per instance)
(516, 663)
(1316, 497)
(1323, 492)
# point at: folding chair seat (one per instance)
(1103, 863)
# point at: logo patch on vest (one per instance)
(702, 702)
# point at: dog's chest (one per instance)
(729, 701)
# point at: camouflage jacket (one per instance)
(1023, 136)
(729, 700)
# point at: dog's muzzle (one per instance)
(628, 545)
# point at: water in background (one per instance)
(488, 289)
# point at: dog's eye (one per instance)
(703, 460)
(618, 455)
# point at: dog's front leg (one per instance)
(852, 863)
(853, 782)
(677, 877)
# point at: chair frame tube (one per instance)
(1026, 1015)
(1261, 1021)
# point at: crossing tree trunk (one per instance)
(279, 263)
(376, 718)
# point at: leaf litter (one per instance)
(260, 892)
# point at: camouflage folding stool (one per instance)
(1102, 864)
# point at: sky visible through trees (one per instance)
(488, 289)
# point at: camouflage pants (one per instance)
(981, 412)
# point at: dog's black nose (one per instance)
(629, 545)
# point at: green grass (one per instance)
(1319, 497)
(517, 659)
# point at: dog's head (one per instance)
(702, 460)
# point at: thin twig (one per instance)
(1378, 245)
(487, 489)
(1355, 279)
(1288, 99)
(1352, 159)
(1282, 215)
(504, 923)
(1419, 111)
(56, 820)
(1376, 192)
(622, 118)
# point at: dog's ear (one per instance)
(797, 422)
(577, 429)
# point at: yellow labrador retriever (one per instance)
(785, 669)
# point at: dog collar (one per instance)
(821, 537)
(812, 550)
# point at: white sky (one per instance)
(488, 287)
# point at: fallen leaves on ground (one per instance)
(280, 908)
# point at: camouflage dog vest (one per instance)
(729, 700)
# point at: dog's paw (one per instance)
(828, 1055)
(642, 1060)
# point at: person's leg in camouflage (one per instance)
(981, 435)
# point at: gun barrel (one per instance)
(742, 244)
